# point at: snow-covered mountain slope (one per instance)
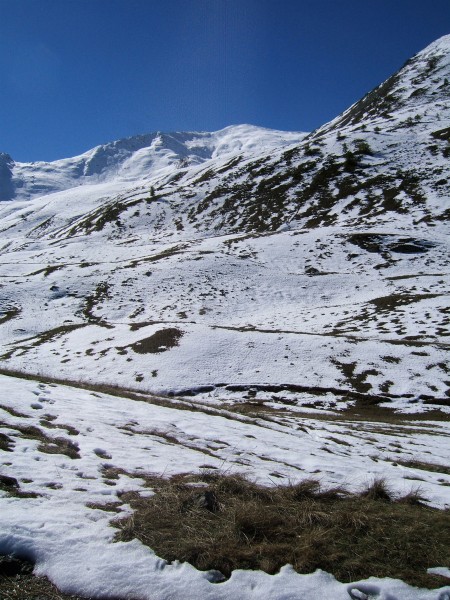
(137, 158)
(265, 302)
(245, 258)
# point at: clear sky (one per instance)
(78, 73)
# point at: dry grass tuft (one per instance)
(378, 490)
(49, 445)
(226, 522)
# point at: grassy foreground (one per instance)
(226, 522)
(17, 582)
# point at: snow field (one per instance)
(73, 544)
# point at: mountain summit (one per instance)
(420, 88)
(387, 153)
(141, 157)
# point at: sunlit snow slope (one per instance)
(245, 260)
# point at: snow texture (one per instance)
(73, 544)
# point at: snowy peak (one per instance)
(108, 156)
(386, 155)
(427, 73)
(140, 157)
(420, 88)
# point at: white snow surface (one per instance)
(73, 545)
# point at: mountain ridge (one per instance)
(155, 151)
(115, 159)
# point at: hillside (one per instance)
(267, 259)
(282, 286)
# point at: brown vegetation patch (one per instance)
(160, 341)
(48, 422)
(108, 507)
(12, 313)
(442, 134)
(42, 338)
(11, 486)
(227, 522)
(357, 380)
(100, 294)
(17, 582)
(425, 466)
(47, 444)
(14, 412)
(394, 301)
(60, 446)
(6, 443)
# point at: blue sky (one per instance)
(78, 73)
